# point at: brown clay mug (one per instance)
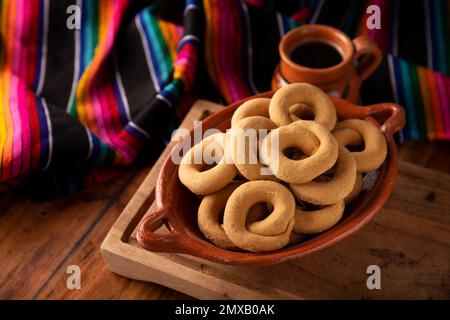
(358, 60)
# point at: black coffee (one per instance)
(315, 55)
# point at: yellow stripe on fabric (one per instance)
(9, 39)
(3, 56)
(168, 34)
(104, 13)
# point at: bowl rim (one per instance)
(180, 240)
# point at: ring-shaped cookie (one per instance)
(302, 93)
(280, 219)
(296, 238)
(213, 179)
(212, 207)
(311, 222)
(375, 147)
(246, 157)
(258, 212)
(337, 188)
(209, 211)
(253, 107)
(348, 137)
(300, 111)
(310, 137)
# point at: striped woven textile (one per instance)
(89, 88)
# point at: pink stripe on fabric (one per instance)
(94, 96)
(184, 54)
(118, 144)
(22, 91)
(380, 36)
(15, 98)
(103, 116)
(256, 3)
(127, 151)
(226, 29)
(236, 56)
(187, 56)
(242, 74)
(94, 90)
(233, 44)
(443, 83)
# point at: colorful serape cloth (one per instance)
(88, 88)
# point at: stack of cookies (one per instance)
(285, 170)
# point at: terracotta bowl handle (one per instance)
(168, 242)
(392, 116)
(367, 56)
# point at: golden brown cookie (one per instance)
(357, 188)
(302, 93)
(333, 190)
(194, 176)
(210, 210)
(375, 147)
(269, 234)
(312, 139)
(311, 222)
(253, 107)
(243, 141)
(300, 111)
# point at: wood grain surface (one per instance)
(40, 240)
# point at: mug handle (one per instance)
(174, 241)
(367, 56)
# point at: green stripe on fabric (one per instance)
(439, 30)
(95, 22)
(73, 109)
(409, 100)
(102, 154)
(418, 101)
(158, 46)
(88, 50)
(293, 23)
(91, 33)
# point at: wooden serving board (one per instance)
(409, 239)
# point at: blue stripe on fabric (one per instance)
(43, 131)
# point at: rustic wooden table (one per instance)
(40, 240)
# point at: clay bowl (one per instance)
(177, 206)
